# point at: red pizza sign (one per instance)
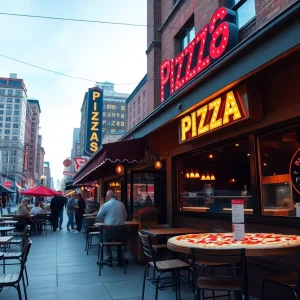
(7, 184)
(79, 162)
(295, 171)
(209, 45)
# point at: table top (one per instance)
(7, 228)
(249, 252)
(9, 222)
(5, 239)
(127, 223)
(6, 218)
(167, 232)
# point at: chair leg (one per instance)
(24, 287)
(144, 282)
(100, 259)
(262, 289)
(123, 258)
(178, 282)
(3, 266)
(156, 286)
(87, 246)
(99, 252)
(25, 269)
(19, 291)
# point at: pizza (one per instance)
(226, 241)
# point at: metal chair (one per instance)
(173, 266)
(91, 231)
(234, 281)
(112, 236)
(13, 280)
(41, 221)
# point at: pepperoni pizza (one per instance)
(226, 241)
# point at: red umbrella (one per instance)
(41, 191)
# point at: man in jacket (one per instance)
(56, 206)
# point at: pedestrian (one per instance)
(57, 204)
(1, 208)
(70, 211)
(79, 211)
(9, 204)
(61, 214)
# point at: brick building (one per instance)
(40, 159)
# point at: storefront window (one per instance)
(276, 152)
(208, 181)
(115, 185)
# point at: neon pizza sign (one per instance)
(209, 45)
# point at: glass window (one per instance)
(8, 119)
(9, 100)
(2, 92)
(144, 95)
(18, 93)
(18, 101)
(122, 116)
(2, 99)
(9, 106)
(122, 107)
(10, 92)
(16, 113)
(15, 125)
(1, 124)
(208, 181)
(9, 112)
(6, 138)
(7, 125)
(17, 106)
(16, 119)
(245, 11)
(1, 105)
(1, 118)
(14, 138)
(15, 132)
(7, 131)
(1, 112)
(186, 37)
(276, 151)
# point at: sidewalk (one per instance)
(59, 269)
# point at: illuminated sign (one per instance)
(295, 171)
(26, 157)
(209, 45)
(79, 162)
(94, 120)
(220, 112)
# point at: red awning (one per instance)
(129, 151)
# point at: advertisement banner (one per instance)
(79, 162)
(94, 120)
(26, 157)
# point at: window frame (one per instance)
(235, 7)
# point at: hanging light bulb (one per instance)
(117, 183)
(212, 177)
(113, 184)
(197, 175)
(192, 174)
(202, 177)
(207, 177)
(119, 169)
(187, 175)
(158, 165)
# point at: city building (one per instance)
(13, 105)
(113, 117)
(75, 152)
(136, 104)
(40, 159)
(47, 173)
(111, 137)
(224, 81)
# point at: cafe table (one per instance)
(5, 240)
(168, 232)
(6, 218)
(249, 252)
(4, 230)
(9, 222)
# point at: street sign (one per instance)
(7, 184)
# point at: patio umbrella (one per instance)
(41, 191)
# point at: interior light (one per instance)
(237, 145)
(212, 177)
(265, 164)
(197, 175)
(202, 177)
(248, 154)
(187, 175)
(158, 165)
(192, 174)
(119, 169)
(207, 177)
(211, 156)
(113, 184)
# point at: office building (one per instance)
(75, 152)
(13, 102)
(47, 173)
(40, 158)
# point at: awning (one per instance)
(129, 151)
(4, 189)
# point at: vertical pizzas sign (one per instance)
(94, 120)
(295, 171)
(26, 157)
(210, 44)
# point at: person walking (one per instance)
(70, 211)
(79, 211)
(9, 204)
(61, 214)
(57, 204)
(112, 212)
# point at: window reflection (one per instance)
(208, 181)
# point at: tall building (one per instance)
(47, 173)
(136, 104)
(34, 136)
(40, 158)
(114, 113)
(75, 143)
(13, 105)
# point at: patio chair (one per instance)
(91, 231)
(288, 280)
(19, 240)
(235, 280)
(40, 221)
(173, 266)
(113, 236)
(13, 280)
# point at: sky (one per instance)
(94, 51)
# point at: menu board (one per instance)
(295, 171)
(238, 231)
(238, 215)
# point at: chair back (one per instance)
(90, 221)
(41, 218)
(157, 226)
(25, 253)
(149, 251)
(117, 233)
(234, 258)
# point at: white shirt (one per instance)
(112, 212)
(36, 210)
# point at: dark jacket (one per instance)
(81, 207)
(57, 204)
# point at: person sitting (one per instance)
(112, 212)
(36, 210)
(23, 210)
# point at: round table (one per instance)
(249, 252)
(4, 230)
(11, 222)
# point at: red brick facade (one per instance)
(167, 17)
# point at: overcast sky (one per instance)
(94, 51)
